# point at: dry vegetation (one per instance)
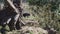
(40, 17)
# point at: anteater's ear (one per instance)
(26, 14)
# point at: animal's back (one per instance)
(5, 14)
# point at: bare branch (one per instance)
(12, 5)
